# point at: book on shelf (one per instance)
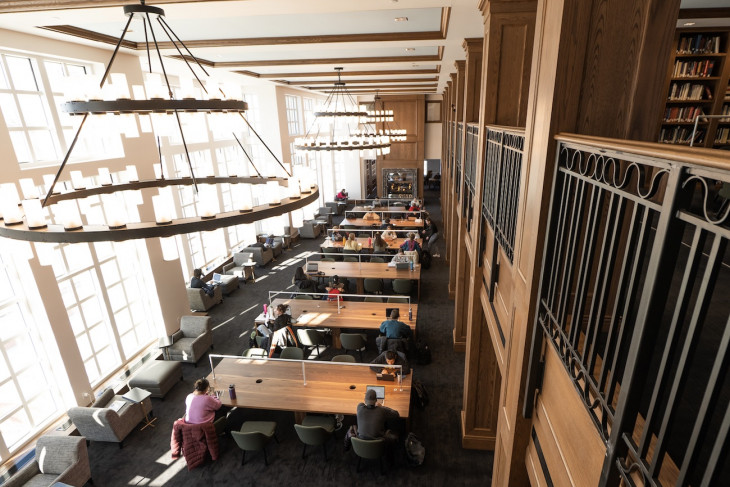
(693, 69)
(689, 91)
(681, 135)
(682, 114)
(699, 44)
(722, 137)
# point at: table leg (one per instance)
(419, 290)
(336, 338)
(299, 416)
(360, 285)
(148, 421)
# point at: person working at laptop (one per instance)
(402, 258)
(388, 359)
(393, 328)
(389, 234)
(371, 419)
(203, 406)
(199, 283)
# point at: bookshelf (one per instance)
(698, 84)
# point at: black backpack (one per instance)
(425, 259)
(415, 451)
(423, 353)
(420, 394)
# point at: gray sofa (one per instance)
(57, 459)
(101, 423)
(192, 340)
(310, 229)
(200, 301)
(261, 255)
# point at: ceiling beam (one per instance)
(8, 6)
(344, 74)
(704, 13)
(355, 87)
(342, 60)
(364, 81)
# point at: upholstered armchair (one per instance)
(235, 268)
(192, 340)
(324, 215)
(260, 255)
(57, 459)
(200, 301)
(338, 207)
(101, 423)
(310, 229)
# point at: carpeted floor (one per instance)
(145, 458)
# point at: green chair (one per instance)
(310, 338)
(373, 286)
(398, 300)
(379, 260)
(254, 436)
(369, 450)
(364, 235)
(331, 250)
(353, 341)
(374, 299)
(254, 353)
(344, 358)
(349, 227)
(303, 296)
(292, 353)
(327, 259)
(350, 259)
(402, 286)
(315, 431)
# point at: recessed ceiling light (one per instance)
(409, 49)
(401, 19)
(687, 24)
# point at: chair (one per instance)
(374, 299)
(379, 260)
(310, 229)
(369, 450)
(349, 227)
(260, 255)
(373, 286)
(398, 300)
(327, 259)
(254, 436)
(353, 341)
(364, 235)
(331, 250)
(292, 353)
(303, 296)
(57, 459)
(310, 338)
(200, 301)
(344, 358)
(315, 431)
(402, 286)
(254, 353)
(350, 259)
(192, 340)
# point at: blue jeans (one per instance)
(431, 241)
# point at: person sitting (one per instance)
(336, 235)
(352, 243)
(371, 215)
(203, 406)
(402, 258)
(391, 357)
(269, 243)
(411, 243)
(198, 282)
(302, 282)
(379, 245)
(415, 205)
(334, 289)
(371, 419)
(394, 328)
(385, 224)
(389, 234)
(282, 332)
(341, 196)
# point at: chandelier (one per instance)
(379, 115)
(28, 221)
(335, 127)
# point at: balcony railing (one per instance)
(634, 299)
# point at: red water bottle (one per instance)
(265, 310)
(370, 241)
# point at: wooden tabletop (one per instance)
(396, 222)
(363, 241)
(329, 386)
(365, 209)
(352, 314)
(359, 270)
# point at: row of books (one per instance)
(690, 69)
(680, 135)
(699, 44)
(689, 91)
(722, 136)
(725, 111)
(682, 114)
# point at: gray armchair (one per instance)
(235, 268)
(200, 301)
(57, 459)
(310, 229)
(192, 340)
(260, 255)
(338, 207)
(324, 214)
(101, 423)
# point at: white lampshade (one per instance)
(242, 198)
(207, 201)
(34, 216)
(169, 249)
(29, 189)
(294, 190)
(154, 86)
(158, 170)
(11, 212)
(115, 211)
(272, 193)
(68, 215)
(163, 209)
(77, 179)
(132, 174)
(48, 180)
(105, 178)
(297, 218)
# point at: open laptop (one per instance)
(217, 277)
(312, 267)
(402, 266)
(389, 310)
(379, 392)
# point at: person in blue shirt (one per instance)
(393, 328)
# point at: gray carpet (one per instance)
(145, 458)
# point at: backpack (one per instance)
(420, 394)
(423, 353)
(425, 259)
(415, 451)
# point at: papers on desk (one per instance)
(117, 405)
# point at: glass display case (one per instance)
(400, 183)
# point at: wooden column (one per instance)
(594, 68)
(446, 170)
(453, 218)
(505, 75)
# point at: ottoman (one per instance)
(158, 377)
(229, 284)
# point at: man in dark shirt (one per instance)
(393, 328)
(371, 420)
(197, 282)
(431, 235)
(388, 359)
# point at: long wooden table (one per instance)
(330, 388)
(367, 270)
(365, 209)
(363, 241)
(352, 315)
(396, 222)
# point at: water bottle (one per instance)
(265, 310)
(410, 314)
(232, 391)
(370, 241)
(411, 265)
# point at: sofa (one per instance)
(310, 229)
(192, 340)
(57, 459)
(200, 301)
(259, 254)
(101, 423)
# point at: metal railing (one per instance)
(634, 300)
(340, 297)
(357, 255)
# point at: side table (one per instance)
(137, 395)
(163, 343)
(248, 271)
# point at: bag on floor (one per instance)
(420, 394)
(423, 353)
(425, 259)
(415, 451)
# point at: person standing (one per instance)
(431, 235)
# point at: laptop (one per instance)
(379, 391)
(402, 266)
(217, 277)
(312, 267)
(385, 377)
(389, 310)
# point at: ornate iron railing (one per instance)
(634, 299)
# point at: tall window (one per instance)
(308, 112)
(292, 114)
